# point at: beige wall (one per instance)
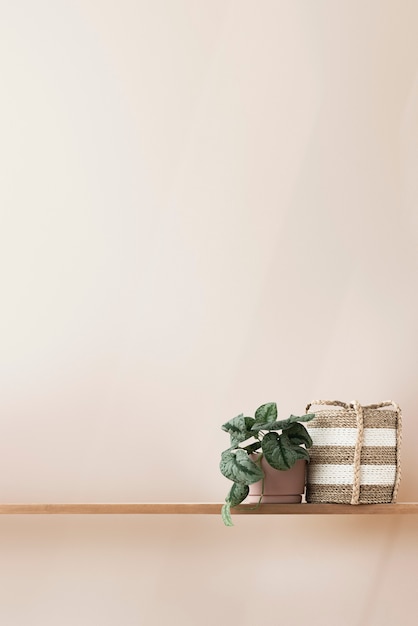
(204, 206)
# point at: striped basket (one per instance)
(355, 457)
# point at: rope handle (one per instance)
(351, 405)
(359, 443)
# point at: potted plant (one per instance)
(262, 446)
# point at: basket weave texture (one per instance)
(355, 457)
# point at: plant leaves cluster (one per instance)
(281, 442)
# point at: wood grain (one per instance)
(184, 508)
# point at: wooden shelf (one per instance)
(183, 508)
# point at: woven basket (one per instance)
(355, 457)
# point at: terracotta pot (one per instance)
(280, 486)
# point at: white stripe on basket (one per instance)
(344, 474)
(348, 436)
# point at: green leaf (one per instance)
(298, 435)
(226, 514)
(279, 451)
(266, 413)
(238, 438)
(301, 453)
(238, 467)
(239, 429)
(236, 425)
(237, 494)
(303, 418)
(268, 426)
(282, 424)
(253, 447)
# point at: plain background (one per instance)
(205, 206)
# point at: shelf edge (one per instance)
(205, 508)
